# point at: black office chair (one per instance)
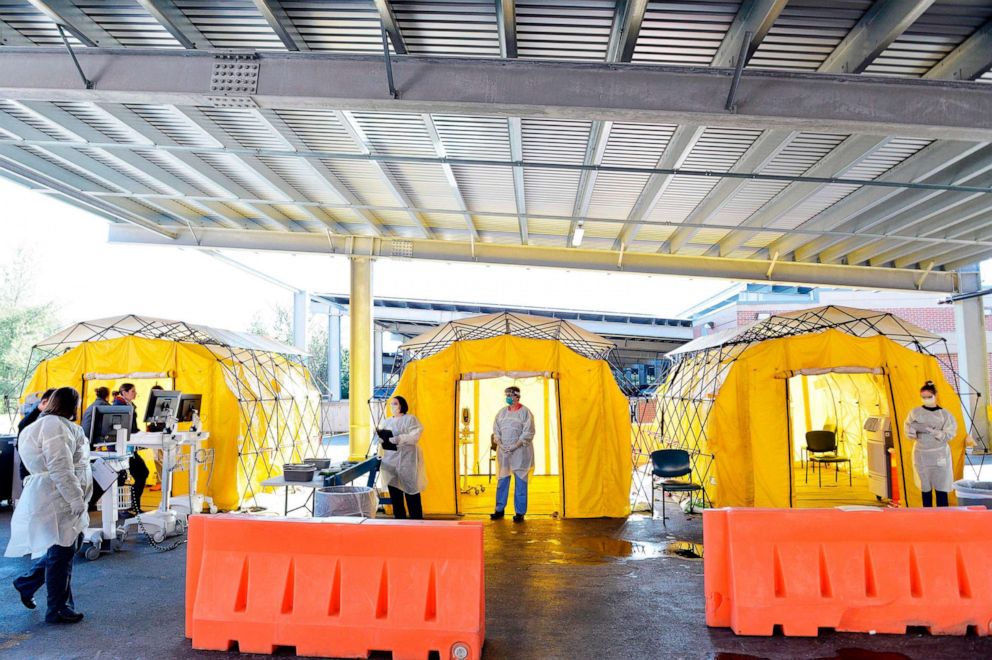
(821, 447)
(668, 464)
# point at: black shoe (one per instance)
(27, 601)
(518, 517)
(65, 616)
(496, 515)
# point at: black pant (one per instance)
(139, 472)
(941, 498)
(412, 502)
(54, 570)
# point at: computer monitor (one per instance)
(188, 404)
(160, 404)
(105, 422)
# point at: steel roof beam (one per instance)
(882, 24)
(554, 257)
(449, 174)
(627, 20)
(274, 14)
(968, 61)
(907, 208)
(506, 27)
(361, 140)
(676, 152)
(768, 145)
(391, 25)
(175, 22)
(970, 258)
(551, 89)
(909, 253)
(754, 16)
(76, 22)
(322, 171)
(519, 185)
(844, 156)
(11, 37)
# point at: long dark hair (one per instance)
(404, 406)
(64, 403)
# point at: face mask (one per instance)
(929, 401)
(509, 400)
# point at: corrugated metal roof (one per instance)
(237, 168)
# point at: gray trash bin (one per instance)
(359, 501)
(974, 493)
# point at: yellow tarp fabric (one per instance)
(595, 419)
(748, 430)
(197, 370)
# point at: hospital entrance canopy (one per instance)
(851, 149)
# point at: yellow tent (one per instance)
(741, 401)
(583, 419)
(260, 404)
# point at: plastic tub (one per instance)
(298, 471)
(332, 501)
(974, 493)
(319, 463)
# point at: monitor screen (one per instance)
(106, 421)
(160, 404)
(189, 403)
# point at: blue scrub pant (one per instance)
(55, 571)
(519, 494)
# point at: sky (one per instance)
(89, 278)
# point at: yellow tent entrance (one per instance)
(478, 473)
(592, 423)
(727, 397)
(839, 402)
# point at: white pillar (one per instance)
(377, 377)
(301, 313)
(334, 354)
(969, 324)
(360, 385)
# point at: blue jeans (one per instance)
(54, 570)
(519, 494)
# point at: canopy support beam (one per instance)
(969, 324)
(360, 366)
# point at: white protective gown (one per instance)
(57, 454)
(513, 428)
(404, 467)
(932, 430)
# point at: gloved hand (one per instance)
(516, 446)
(388, 444)
(77, 508)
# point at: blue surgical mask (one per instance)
(509, 400)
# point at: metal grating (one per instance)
(683, 32)
(336, 25)
(806, 32)
(457, 27)
(564, 29)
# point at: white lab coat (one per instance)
(404, 467)
(57, 454)
(932, 430)
(514, 430)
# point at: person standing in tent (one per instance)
(51, 515)
(403, 469)
(514, 431)
(102, 399)
(136, 465)
(933, 428)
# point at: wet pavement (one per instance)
(554, 589)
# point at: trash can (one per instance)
(973, 493)
(359, 501)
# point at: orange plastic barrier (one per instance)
(853, 571)
(335, 587)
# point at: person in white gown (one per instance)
(514, 433)
(403, 470)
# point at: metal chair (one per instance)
(821, 447)
(667, 464)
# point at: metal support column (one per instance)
(377, 376)
(301, 314)
(334, 355)
(360, 368)
(969, 324)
